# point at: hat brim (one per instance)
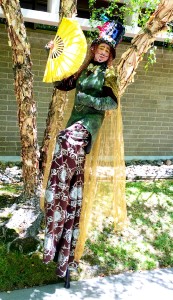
(99, 41)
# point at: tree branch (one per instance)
(142, 42)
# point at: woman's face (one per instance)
(102, 53)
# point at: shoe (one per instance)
(67, 279)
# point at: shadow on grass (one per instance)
(147, 241)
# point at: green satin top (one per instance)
(91, 101)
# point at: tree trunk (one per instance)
(23, 79)
(142, 42)
(26, 217)
(56, 111)
(68, 8)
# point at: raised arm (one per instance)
(108, 100)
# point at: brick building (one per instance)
(147, 105)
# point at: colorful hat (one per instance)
(111, 33)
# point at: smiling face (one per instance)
(102, 53)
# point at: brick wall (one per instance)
(147, 105)
(148, 109)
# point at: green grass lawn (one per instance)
(146, 243)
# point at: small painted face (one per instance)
(102, 53)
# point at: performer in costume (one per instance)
(64, 193)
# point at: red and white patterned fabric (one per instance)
(63, 198)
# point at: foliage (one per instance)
(9, 189)
(97, 12)
(151, 57)
(19, 271)
(142, 7)
(10, 164)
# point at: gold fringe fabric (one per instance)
(104, 189)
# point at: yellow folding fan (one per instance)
(68, 53)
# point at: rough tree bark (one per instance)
(23, 85)
(57, 106)
(68, 8)
(26, 218)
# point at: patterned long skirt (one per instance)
(63, 198)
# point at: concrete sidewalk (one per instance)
(146, 285)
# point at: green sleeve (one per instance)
(99, 103)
